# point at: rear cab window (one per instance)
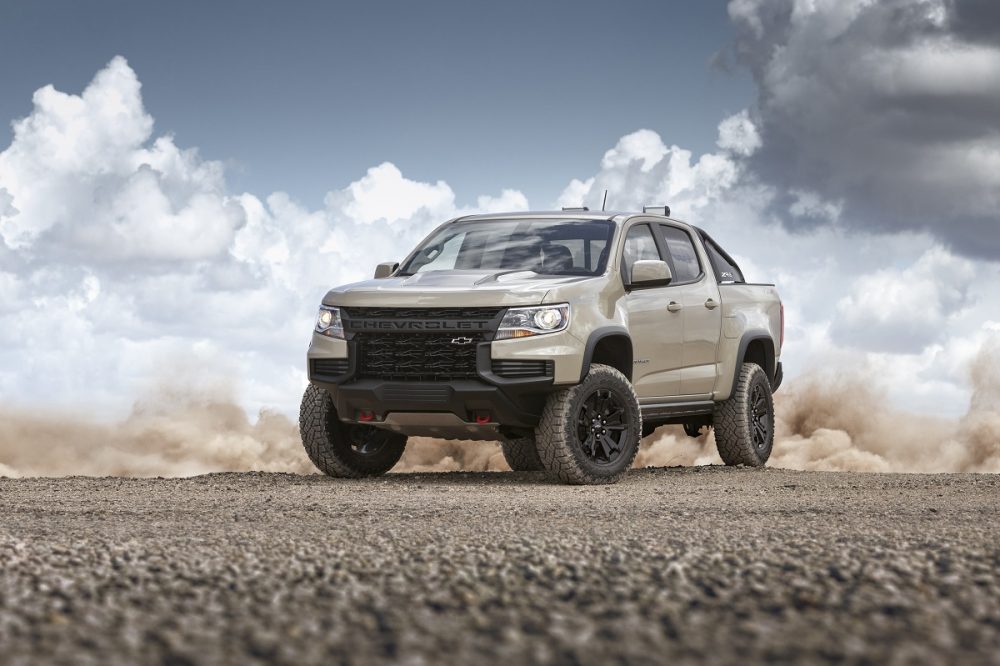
(686, 266)
(726, 270)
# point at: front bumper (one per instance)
(482, 404)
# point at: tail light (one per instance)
(781, 339)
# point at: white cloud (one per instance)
(642, 170)
(384, 194)
(739, 135)
(643, 146)
(78, 179)
(122, 253)
(574, 193)
(905, 310)
(508, 201)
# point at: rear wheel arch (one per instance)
(611, 346)
(755, 347)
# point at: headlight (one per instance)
(538, 320)
(328, 322)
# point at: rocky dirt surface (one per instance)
(672, 565)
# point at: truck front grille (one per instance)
(417, 357)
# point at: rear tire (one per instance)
(589, 433)
(342, 449)
(521, 454)
(744, 424)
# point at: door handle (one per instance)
(674, 306)
(711, 304)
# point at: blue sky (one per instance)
(304, 96)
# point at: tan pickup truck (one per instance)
(566, 336)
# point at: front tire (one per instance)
(343, 449)
(521, 454)
(744, 424)
(589, 433)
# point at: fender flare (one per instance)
(748, 337)
(595, 337)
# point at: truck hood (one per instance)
(450, 289)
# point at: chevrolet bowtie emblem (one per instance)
(461, 341)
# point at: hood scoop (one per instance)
(496, 276)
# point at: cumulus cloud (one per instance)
(739, 135)
(892, 108)
(384, 194)
(121, 252)
(80, 180)
(905, 310)
(642, 170)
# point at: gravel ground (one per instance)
(684, 565)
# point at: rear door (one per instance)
(656, 327)
(695, 290)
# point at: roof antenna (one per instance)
(605, 202)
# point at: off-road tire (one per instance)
(559, 447)
(521, 454)
(331, 444)
(733, 420)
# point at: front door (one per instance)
(656, 325)
(699, 297)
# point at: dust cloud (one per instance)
(424, 454)
(833, 423)
(175, 433)
(165, 435)
(841, 423)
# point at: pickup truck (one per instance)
(565, 336)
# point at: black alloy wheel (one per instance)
(760, 418)
(601, 428)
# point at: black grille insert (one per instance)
(328, 367)
(515, 369)
(420, 357)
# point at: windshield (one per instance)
(547, 247)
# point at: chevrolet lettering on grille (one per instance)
(415, 325)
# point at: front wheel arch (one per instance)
(610, 346)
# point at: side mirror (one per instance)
(650, 273)
(385, 269)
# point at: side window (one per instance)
(686, 264)
(725, 270)
(639, 245)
